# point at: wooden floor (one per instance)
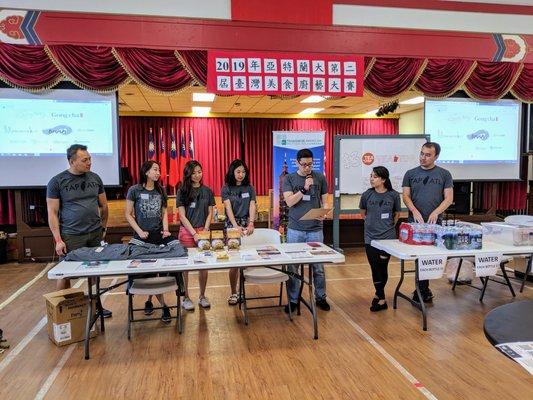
(359, 355)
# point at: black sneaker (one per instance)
(427, 296)
(378, 307)
(148, 308)
(323, 304)
(166, 315)
(107, 313)
(294, 307)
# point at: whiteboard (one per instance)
(359, 154)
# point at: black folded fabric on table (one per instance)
(112, 252)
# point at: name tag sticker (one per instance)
(145, 196)
(306, 197)
(245, 195)
(385, 215)
(192, 205)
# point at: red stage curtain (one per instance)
(156, 69)
(510, 196)
(7, 207)
(390, 77)
(89, 67)
(523, 88)
(195, 62)
(441, 78)
(258, 141)
(217, 142)
(492, 80)
(27, 67)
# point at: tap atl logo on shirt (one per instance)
(428, 180)
(380, 203)
(83, 185)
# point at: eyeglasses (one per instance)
(306, 165)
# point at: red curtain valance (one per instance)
(105, 69)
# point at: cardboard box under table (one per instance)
(66, 311)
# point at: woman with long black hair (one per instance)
(381, 207)
(240, 202)
(146, 212)
(195, 203)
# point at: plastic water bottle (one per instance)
(215, 214)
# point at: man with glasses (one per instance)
(304, 190)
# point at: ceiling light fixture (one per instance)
(414, 100)
(313, 99)
(203, 97)
(311, 110)
(201, 111)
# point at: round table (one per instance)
(511, 322)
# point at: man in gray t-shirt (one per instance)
(77, 206)
(304, 190)
(427, 193)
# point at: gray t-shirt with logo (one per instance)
(198, 210)
(313, 199)
(240, 197)
(148, 206)
(380, 209)
(427, 188)
(79, 212)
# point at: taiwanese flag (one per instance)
(191, 145)
(151, 146)
(162, 158)
(183, 150)
(174, 173)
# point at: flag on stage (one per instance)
(191, 145)
(162, 158)
(151, 146)
(174, 173)
(183, 150)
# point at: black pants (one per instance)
(379, 263)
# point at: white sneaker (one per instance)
(204, 303)
(187, 304)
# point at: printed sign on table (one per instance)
(258, 73)
(488, 264)
(431, 267)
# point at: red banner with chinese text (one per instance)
(253, 73)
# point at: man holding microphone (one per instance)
(305, 190)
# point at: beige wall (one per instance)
(412, 122)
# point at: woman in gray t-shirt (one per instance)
(381, 207)
(239, 201)
(146, 212)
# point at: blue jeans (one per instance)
(319, 278)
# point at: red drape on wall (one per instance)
(217, 142)
(157, 69)
(89, 67)
(27, 67)
(96, 68)
(444, 77)
(258, 141)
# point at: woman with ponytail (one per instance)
(381, 207)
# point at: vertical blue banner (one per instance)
(286, 145)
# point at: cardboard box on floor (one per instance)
(66, 311)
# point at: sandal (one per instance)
(233, 299)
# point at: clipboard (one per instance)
(315, 213)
